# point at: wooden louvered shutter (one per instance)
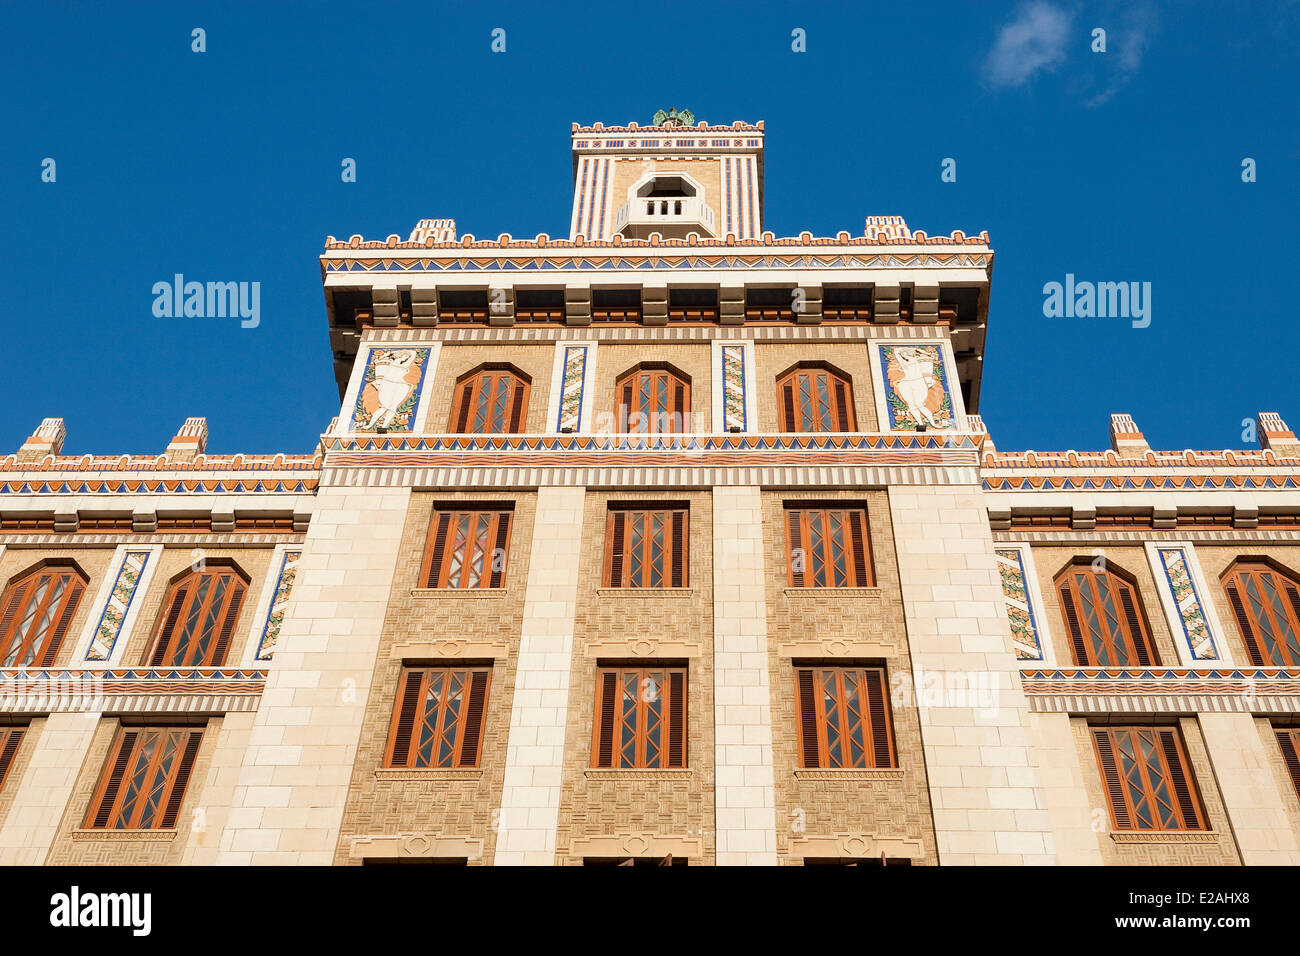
(676, 719)
(679, 550)
(1289, 756)
(605, 725)
(466, 400)
(181, 780)
(118, 768)
(405, 724)
(616, 549)
(880, 742)
(1244, 623)
(503, 540)
(169, 625)
(679, 407)
(787, 404)
(75, 589)
(10, 612)
(858, 543)
(1178, 776)
(517, 407)
(11, 741)
(228, 625)
(1134, 625)
(474, 720)
(1076, 632)
(842, 407)
(795, 518)
(809, 753)
(1110, 772)
(439, 548)
(625, 409)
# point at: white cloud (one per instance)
(1035, 40)
(1128, 43)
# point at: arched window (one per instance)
(37, 608)
(653, 400)
(814, 399)
(198, 617)
(1266, 604)
(1104, 616)
(490, 401)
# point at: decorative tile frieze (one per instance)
(1191, 615)
(572, 389)
(279, 602)
(1020, 610)
(131, 690)
(389, 397)
(125, 585)
(734, 416)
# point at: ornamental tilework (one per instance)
(1195, 627)
(916, 387)
(1024, 628)
(572, 387)
(275, 615)
(733, 387)
(390, 390)
(119, 602)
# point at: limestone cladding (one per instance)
(890, 805)
(457, 803)
(293, 786)
(984, 792)
(608, 625)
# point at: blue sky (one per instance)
(224, 165)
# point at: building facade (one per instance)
(670, 541)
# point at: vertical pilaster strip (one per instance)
(1240, 755)
(293, 785)
(745, 788)
(988, 805)
(530, 796)
(41, 795)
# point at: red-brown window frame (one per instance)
(1185, 795)
(439, 551)
(176, 607)
(106, 806)
(1288, 741)
(1141, 648)
(676, 555)
(402, 749)
(609, 719)
(468, 392)
(1234, 582)
(672, 383)
(11, 736)
(14, 600)
(839, 390)
(858, 561)
(879, 749)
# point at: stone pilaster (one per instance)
(988, 805)
(1240, 755)
(745, 787)
(293, 785)
(530, 796)
(58, 752)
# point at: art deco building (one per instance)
(669, 540)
